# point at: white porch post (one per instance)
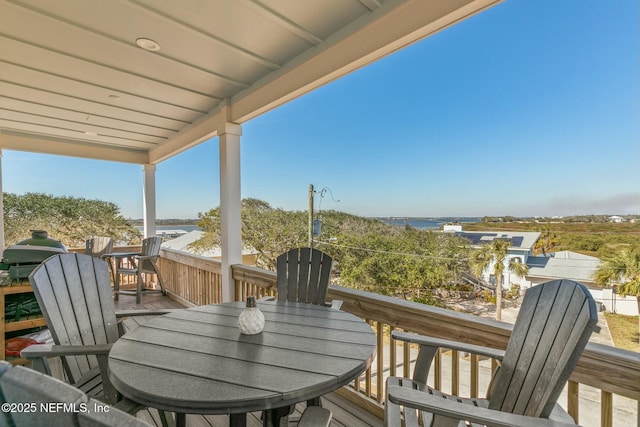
(230, 200)
(1, 209)
(149, 200)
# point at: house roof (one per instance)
(519, 240)
(75, 81)
(182, 244)
(564, 265)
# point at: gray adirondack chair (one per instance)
(98, 246)
(23, 386)
(144, 263)
(303, 276)
(553, 326)
(74, 294)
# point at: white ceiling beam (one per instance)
(236, 49)
(371, 4)
(282, 21)
(125, 44)
(200, 131)
(42, 144)
(117, 71)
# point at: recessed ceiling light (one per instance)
(148, 44)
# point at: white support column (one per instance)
(1, 209)
(149, 200)
(230, 200)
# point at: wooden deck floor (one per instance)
(345, 414)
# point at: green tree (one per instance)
(622, 269)
(71, 220)
(496, 253)
(269, 231)
(368, 254)
(408, 264)
(546, 241)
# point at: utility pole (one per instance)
(311, 215)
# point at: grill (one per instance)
(23, 257)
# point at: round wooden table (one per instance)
(196, 361)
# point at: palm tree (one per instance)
(496, 253)
(623, 269)
(546, 242)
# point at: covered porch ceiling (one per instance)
(74, 81)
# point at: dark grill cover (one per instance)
(24, 256)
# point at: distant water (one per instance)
(428, 223)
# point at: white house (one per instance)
(581, 268)
(183, 244)
(521, 244)
(563, 265)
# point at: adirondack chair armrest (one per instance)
(132, 313)
(124, 314)
(335, 304)
(456, 410)
(50, 350)
(453, 345)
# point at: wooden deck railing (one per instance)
(613, 372)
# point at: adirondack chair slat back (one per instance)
(303, 275)
(98, 246)
(28, 387)
(150, 247)
(550, 333)
(31, 389)
(74, 294)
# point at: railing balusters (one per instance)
(455, 373)
(606, 409)
(494, 366)
(392, 354)
(406, 360)
(473, 376)
(573, 397)
(380, 362)
(437, 370)
(198, 280)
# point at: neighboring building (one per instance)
(556, 265)
(521, 244)
(182, 244)
(563, 265)
(581, 268)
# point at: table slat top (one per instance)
(197, 361)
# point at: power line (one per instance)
(392, 252)
(380, 251)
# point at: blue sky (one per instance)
(530, 108)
